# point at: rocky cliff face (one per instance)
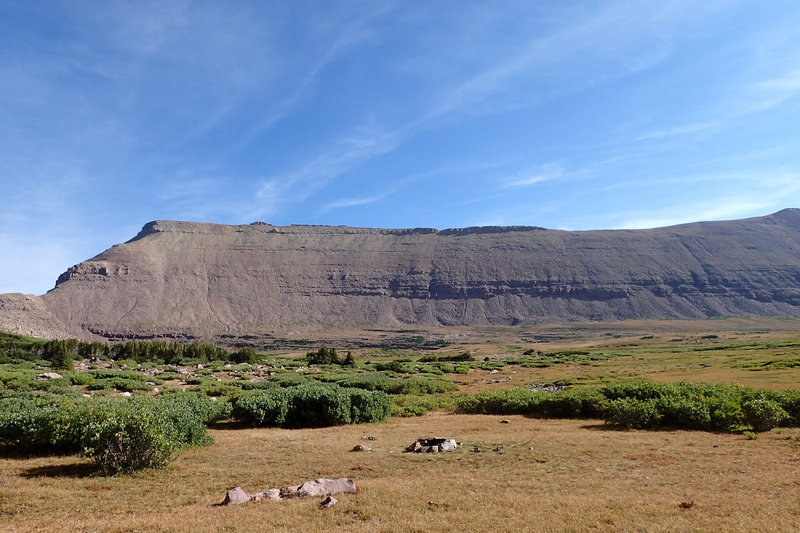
(208, 279)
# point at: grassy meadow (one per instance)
(512, 472)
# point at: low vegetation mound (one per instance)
(311, 405)
(119, 434)
(641, 405)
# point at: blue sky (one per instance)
(562, 114)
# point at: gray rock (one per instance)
(330, 501)
(48, 375)
(235, 496)
(289, 492)
(271, 494)
(326, 487)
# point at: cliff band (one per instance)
(210, 279)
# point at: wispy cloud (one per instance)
(623, 38)
(694, 127)
(613, 36)
(283, 190)
(348, 35)
(750, 194)
(770, 93)
(724, 208)
(350, 202)
(545, 172)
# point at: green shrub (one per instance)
(259, 385)
(632, 413)
(18, 381)
(244, 355)
(506, 402)
(790, 402)
(311, 405)
(463, 356)
(648, 405)
(121, 435)
(575, 403)
(763, 414)
(262, 408)
(289, 379)
(126, 374)
(421, 384)
(126, 438)
(638, 390)
(380, 381)
(220, 388)
(318, 406)
(367, 406)
(368, 381)
(690, 412)
(78, 378)
(58, 388)
(40, 423)
(391, 366)
(416, 405)
(120, 384)
(190, 413)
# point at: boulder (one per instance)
(235, 496)
(49, 375)
(326, 487)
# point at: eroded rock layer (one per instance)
(176, 278)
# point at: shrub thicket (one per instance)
(413, 405)
(130, 436)
(464, 356)
(311, 405)
(649, 405)
(120, 435)
(380, 381)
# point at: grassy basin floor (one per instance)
(529, 475)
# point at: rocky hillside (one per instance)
(177, 278)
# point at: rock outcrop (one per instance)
(184, 278)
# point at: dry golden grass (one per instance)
(530, 475)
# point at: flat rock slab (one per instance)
(326, 487)
(271, 494)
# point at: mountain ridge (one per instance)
(202, 279)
